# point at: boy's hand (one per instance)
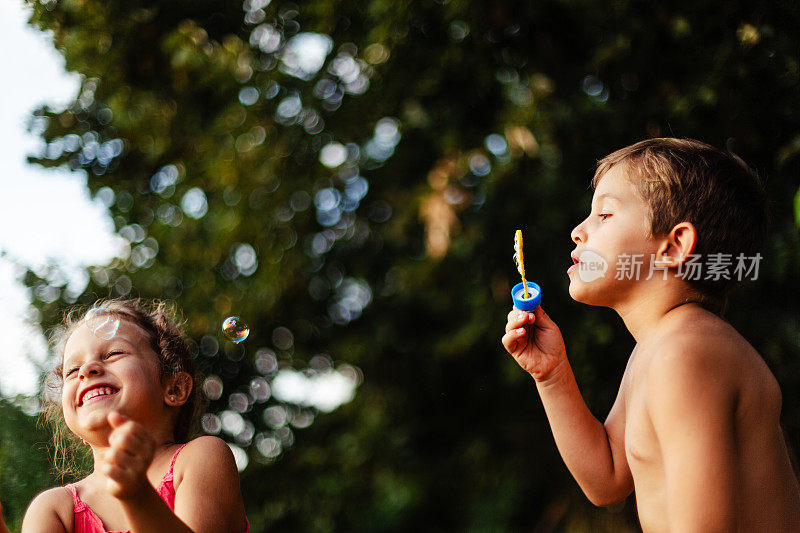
(125, 462)
(535, 342)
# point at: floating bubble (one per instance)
(235, 329)
(102, 322)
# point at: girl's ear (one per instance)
(178, 390)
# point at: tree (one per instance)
(24, 459)
(348, 177)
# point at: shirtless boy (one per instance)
(694, 430)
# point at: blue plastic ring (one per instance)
(529, 304)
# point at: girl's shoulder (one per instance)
(206, 455)
(50, 510)
(208, 468)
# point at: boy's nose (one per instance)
(578, 236)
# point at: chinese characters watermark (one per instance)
(714, 267)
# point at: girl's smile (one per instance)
(96, 393)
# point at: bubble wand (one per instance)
(519, 260)
(526, 295)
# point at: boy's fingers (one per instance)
(511, 339)
(544, 320)
(518, 318)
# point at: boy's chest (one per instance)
(641, 443)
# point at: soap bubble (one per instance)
(102, 322)
(235, 329)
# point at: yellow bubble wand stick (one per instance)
(518, 259)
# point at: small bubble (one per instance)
(102, 322)
(235, 329)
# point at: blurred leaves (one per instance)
(366, 203)
(24, 460)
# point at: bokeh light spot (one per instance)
(333, 154)
(212, 387)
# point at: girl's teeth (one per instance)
(104, 391)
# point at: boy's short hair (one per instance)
(683, 180)
(159, 321)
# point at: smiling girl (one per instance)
(129, 393)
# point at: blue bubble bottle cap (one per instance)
(526, 304)
(523, 301)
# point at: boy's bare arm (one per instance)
(593, 452)
(691, 402)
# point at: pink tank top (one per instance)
(86, 521)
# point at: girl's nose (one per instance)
(90, 368)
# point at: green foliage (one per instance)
(187, 101)
(25, 468)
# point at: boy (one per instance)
(695, 427)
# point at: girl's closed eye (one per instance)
(604, 215)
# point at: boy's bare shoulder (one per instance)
(699, 349)
(51, 509)
(698, 336)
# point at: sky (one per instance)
(45, 215)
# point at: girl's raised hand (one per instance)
(125, 462)
(535, 342)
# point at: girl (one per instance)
(127, 390)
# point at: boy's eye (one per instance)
(604, 215)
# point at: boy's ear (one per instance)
(179, 389)
(678, 245)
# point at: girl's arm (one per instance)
(208, 498)
(207, 495)
(41, 514)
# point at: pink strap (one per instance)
(168, 476)
(77, 503)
